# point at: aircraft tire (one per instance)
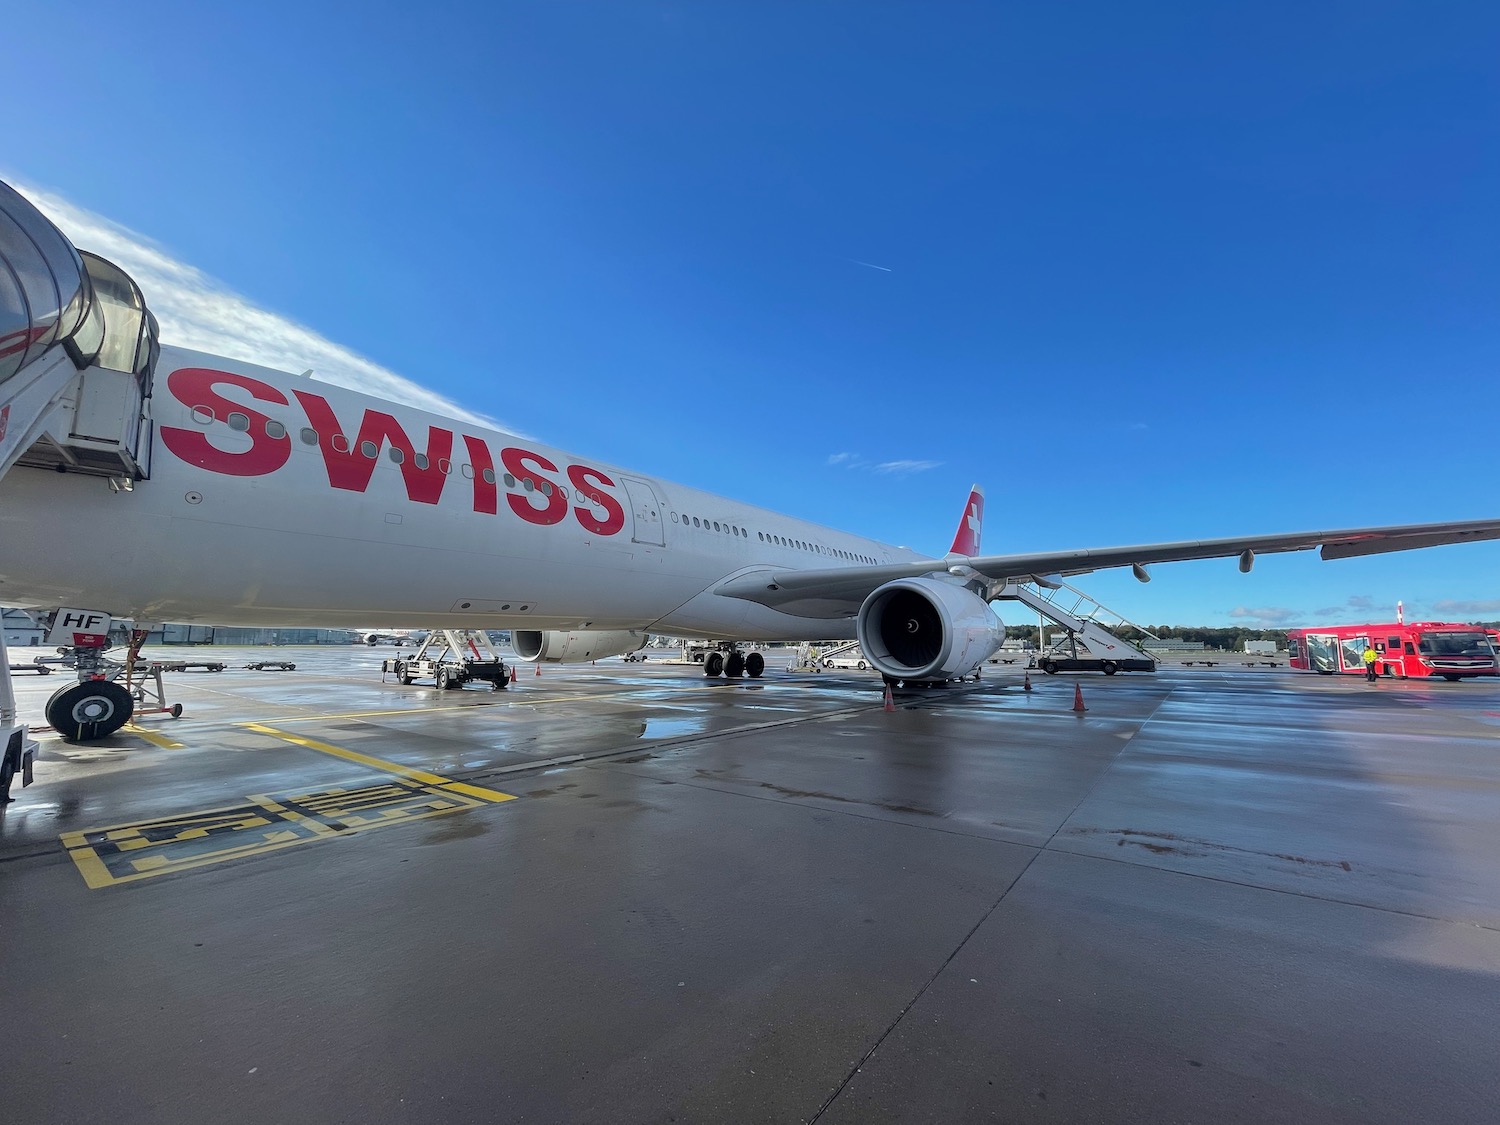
(88, 711)
(713, 664)
(734, 664)
(755, 664)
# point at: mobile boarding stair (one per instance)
(77, 351)
(1086, 622)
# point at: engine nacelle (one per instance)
(926, 629)
(573, 646)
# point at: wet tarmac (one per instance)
(625, 893)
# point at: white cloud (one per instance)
(895, 468)
(905, 468)
(1491, 605)
(1265, 617)
(196, 311)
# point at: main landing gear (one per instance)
(730, 662)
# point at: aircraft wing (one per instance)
(837, 592)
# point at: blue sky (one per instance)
(1194, 271)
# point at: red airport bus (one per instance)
(1419, 648)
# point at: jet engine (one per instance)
(927, 629)
(573, 646)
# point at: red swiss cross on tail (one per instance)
(966, 538)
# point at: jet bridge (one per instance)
(1084, 619)
(78, 348)
(77, 351)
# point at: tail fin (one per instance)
(966, 538)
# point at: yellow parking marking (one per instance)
(126, 853)
(152, 737)
(512, 701)
(381, 764)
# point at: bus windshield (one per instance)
(1455, 644)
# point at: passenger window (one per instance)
(528, 484)
(445, 466)
(546, 488)
(238, 422)
(396, 456)
(510, 481)
(489, 476)
(309, 436)
(467, 470)
(716, 525)
(340, 443)
(419, 460)
(695, 521)
(202, 415)
(368, 449)
(274, 428)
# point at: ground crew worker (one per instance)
(1369, 657)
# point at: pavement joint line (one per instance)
(436, 780)
(985, 916)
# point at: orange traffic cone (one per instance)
(890, 704)
(538, 671)
(1026, 684)
(513, 673)
(1078, 698)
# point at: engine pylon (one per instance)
(1078, 698)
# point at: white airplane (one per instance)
(160, 484)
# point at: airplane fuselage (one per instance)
(277, 500)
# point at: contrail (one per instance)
(872, 266)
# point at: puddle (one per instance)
(671, 728)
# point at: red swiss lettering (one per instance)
(194, 387)
(519, 462)
(350, 468)
(588, 481)
(484, 488)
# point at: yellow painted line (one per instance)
(381, 764)
(155, 739)
(512, 701)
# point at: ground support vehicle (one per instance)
(451, 658)
(1408, 650)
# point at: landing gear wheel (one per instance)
(755, 664)
(176, 711)
(734, 664)
(84, 712)
(713, 664)
(1050, 667)
(1109, 667)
